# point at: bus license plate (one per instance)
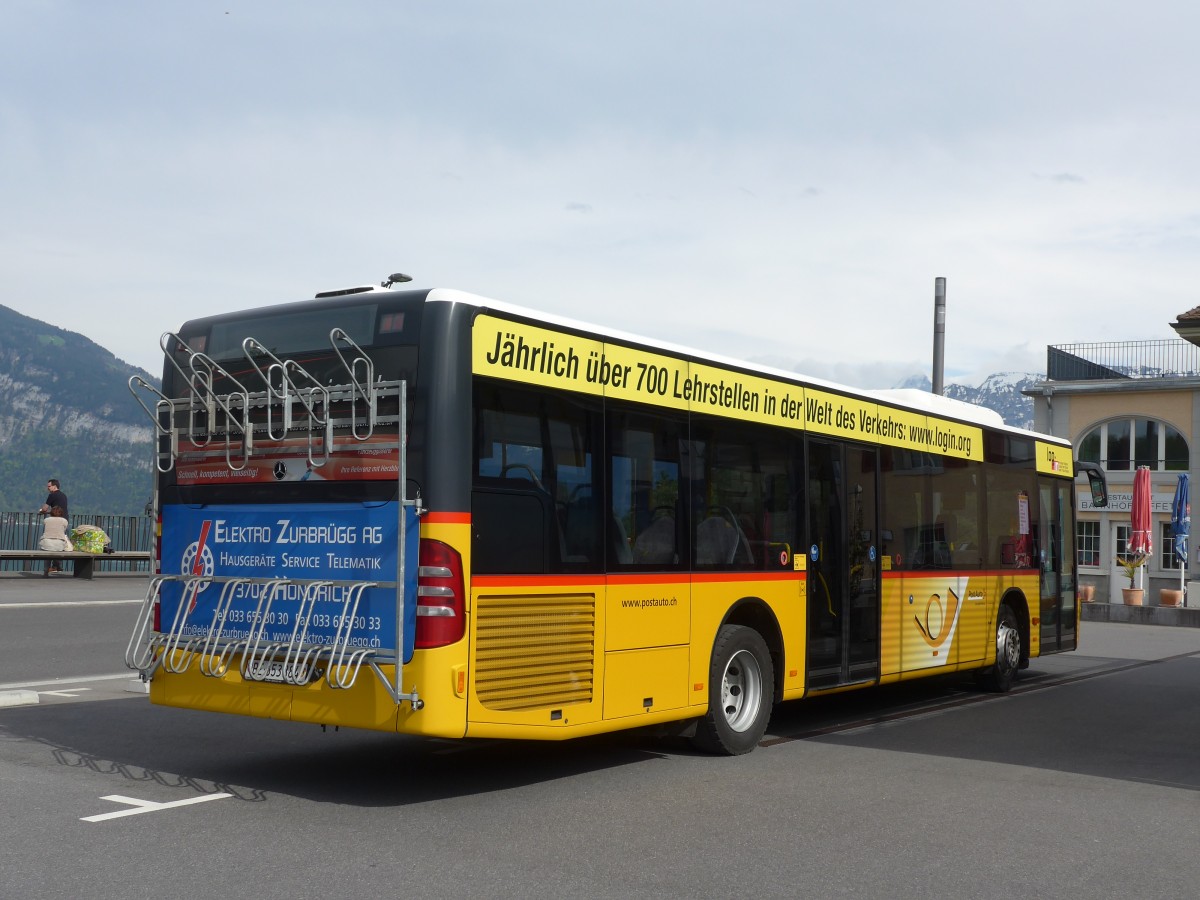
(275, 672)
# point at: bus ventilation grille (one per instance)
(535, 652)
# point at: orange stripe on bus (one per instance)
(447, 518)
(631, 578)
(534, 580)
(723, 577)
(956, 573)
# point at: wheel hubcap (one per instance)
(741, 690)
(1008, 646)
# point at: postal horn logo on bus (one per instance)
(198, 556)
(939, 621)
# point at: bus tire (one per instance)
(740, 693)
(1000, 676)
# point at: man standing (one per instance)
(55, 498)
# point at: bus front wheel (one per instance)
(1000, 676)
(740, 691)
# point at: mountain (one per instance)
(66, 412)
(1000, 392)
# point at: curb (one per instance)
(18, 698)
(1176, 616)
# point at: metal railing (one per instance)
(22, 530)
(1167, 358)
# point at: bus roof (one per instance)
(902, 397)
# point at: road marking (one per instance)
(18, 698)
(63, 682)
(69, 603)
(144, 806)
(73, 692)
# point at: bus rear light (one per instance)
(440, 607)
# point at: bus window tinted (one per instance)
(535, 500)
(742, 504)
(647, 507)
(294, 332)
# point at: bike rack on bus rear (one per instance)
(189, 425)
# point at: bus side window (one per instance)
(739, 477)
(1006, 548)
(644, 474)
(533, 506)
(509, 530)
(905, 486)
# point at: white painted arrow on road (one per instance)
(145, 806)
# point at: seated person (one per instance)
(54, 536)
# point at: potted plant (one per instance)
(1087, 592)
(1131, 563)
(1170, 597)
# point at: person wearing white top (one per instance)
(54, 536)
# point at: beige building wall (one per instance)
(1071, 410)
(1173, 407)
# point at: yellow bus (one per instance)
(428, 512)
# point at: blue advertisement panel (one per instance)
(346, 544)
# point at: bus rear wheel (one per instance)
(740, 691)
(1003, 672)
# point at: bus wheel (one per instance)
(999, 677)
(740, 690)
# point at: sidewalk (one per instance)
(1101, 640)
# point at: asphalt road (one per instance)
(1083, 782)
(65, 627)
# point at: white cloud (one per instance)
(774, 182)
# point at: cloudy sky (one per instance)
(780, 181)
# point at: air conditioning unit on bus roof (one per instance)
(396, 278)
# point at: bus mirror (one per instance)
(1096, 481)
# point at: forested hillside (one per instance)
(66, 413)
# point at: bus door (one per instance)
(842, 564)
(1056, 565)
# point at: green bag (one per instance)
(89, 538)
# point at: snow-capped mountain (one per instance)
(1000, 392)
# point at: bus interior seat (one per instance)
(716, 541)
(721, 540)
(655, 545)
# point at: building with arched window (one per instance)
(1125, 405)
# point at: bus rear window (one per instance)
(293, 332)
